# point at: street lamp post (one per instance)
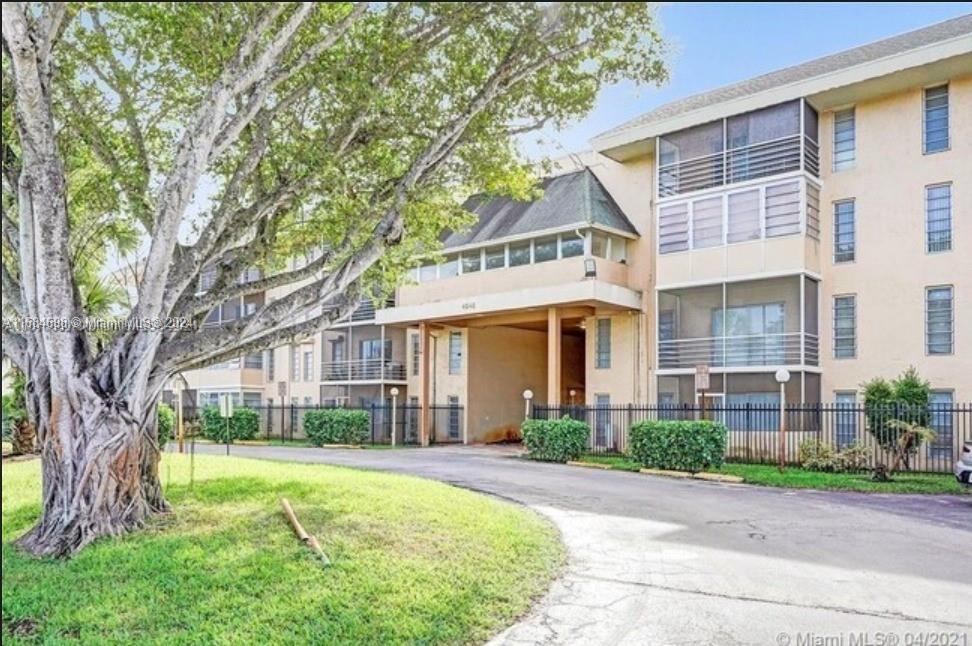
(527, 396)
(394, 394)
(782, 376)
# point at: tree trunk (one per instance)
(100, 475)
(22, 438)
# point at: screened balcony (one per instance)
(762, 323)
(766, 142)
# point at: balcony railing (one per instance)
(366, 310)
(362, 370)
(739, 351)
(741, 164)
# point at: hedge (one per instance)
(678, 445)
(243, 425)
(165, 423)
(336, 426)
(555, 440)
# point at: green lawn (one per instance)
(769, 476)
(413, 561)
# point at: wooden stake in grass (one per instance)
(308, 540)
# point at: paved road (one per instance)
(660, 561)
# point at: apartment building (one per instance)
(353, 363)
(815, 218)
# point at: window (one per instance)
(844, 238)
(935, 128)
(603, 343)
(845, 418)
(450, 267)
(252, 400)
(750, 411)
(519, 254)
(455, 416)
(269, 365)
(939, 320)
(308, 401)
(602, 420)
(940, 420)
(599, 245)
(707, 223)
(308, 365)
(673, 228)
(254, 361)
(338, 350)
(428, 273)
(845, 327)
(545, 249)
(782, 209)
(294, 363)
(571, 245)
(470, 262)
(754, 334)
(619, 249)
(495, 257)
(455, 353)
(374, 349)
(938, 218)
(416, 354)
(743, 217)
(844, 139)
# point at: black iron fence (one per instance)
(286, 423)
(754, 430)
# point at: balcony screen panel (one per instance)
(811, 123)
(743, 216)
(782, 209)
(519, 254)
(619, 249)
(813, 211)
(690, 143)
(450, 267)
(767, 124)
(599, 244)
(673, 228)
(427, 273)
(707, 223)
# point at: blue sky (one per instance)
(719, 43)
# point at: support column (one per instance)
(553, 356)
(425, 368)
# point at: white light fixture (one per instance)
(393, 392)
(782, 375)
(590, 268)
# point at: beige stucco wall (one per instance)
(621, 379)
(892, 269)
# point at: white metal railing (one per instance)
(362, 370)
(740, 164)
(739, 351)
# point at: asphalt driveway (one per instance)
(661, 561)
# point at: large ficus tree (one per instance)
(343, 135)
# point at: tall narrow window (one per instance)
(269, 365)
(603, 343)
(294, 363)
(309, 365)
(455, 353)
(940, 420)
(938, 218)
(845, 138)
(416, 354)
(845, 327)
(845, 243)
(845, 418)
(935, 128)
(939, 320)
(455, 417)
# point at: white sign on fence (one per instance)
(701, 377)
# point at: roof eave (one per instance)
(639, 139)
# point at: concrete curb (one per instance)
(665, 472)
(589, 465)
(717, 477)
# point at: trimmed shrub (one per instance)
(336, 426)
(816, 455)
(165, 424)
(555, 440)
(678, 445)
(243, 425)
